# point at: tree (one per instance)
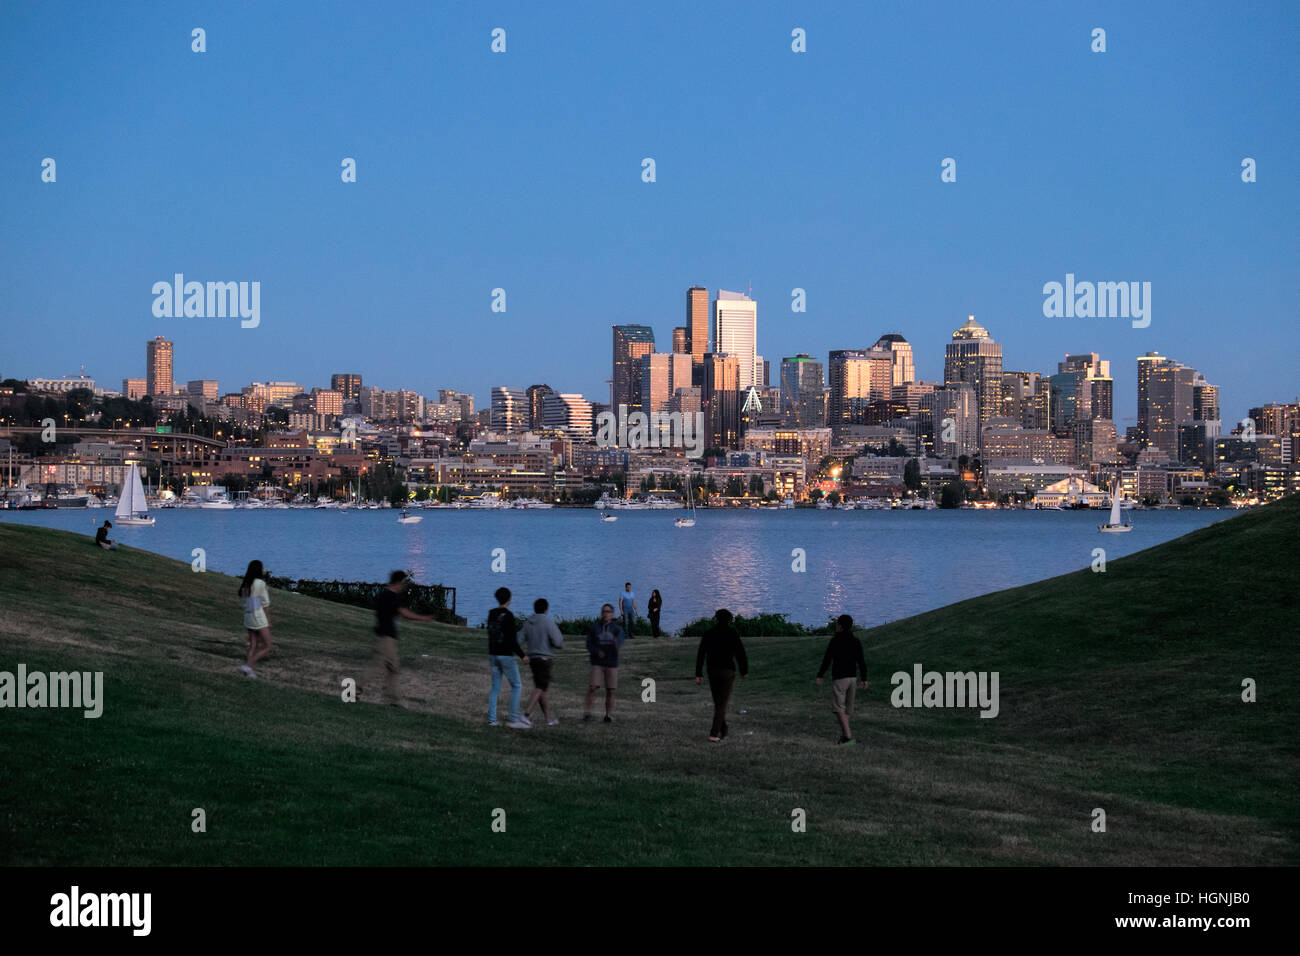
(815, 494)
(650, 483)
(620, 482)
(755, 484)
(950, 495)
(962, 462)
(712, 486)
(833, 497)
(912, 475)
(735, 486)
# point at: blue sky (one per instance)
(522, 171)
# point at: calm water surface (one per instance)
(876, 565)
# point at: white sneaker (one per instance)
(553, 721)
(246, 670)
(517, 725)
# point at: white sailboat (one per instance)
(688, 520)
(1115, 524)
(132, 507)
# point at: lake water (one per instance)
(876, 565)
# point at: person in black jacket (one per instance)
(720, 647)
(654, 607)
(844, 657)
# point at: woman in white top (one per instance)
(253, 594)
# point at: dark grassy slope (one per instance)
(1118, 690)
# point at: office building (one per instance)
(134, 389)
(973, 358)
(735, 332)
(536, 396)
(509, 410)
(902, 366)
(630, 343)
(721, 398)
(158, 366)
(568, 413)
(681, 344)
(662, 373)
(697, 322)
(855, 379)
(348, 384)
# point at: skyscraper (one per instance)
(569, 413)
(855, 379)
(509, 412)
(697, 321)
(348, 384)
(735, 332)
(536, 395)
(803, 391)
(662, 373)
(681, 344)
(630, 343)
(902, 366)
(720, 396)
(158, 366)
(973, 358)
(1164, 402)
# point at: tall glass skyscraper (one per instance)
(630, 343)
(735, 333)
(803, 391)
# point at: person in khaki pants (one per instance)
(848, 669)
(387, 609)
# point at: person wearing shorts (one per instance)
(541, 639)
(253, 595)
(603, 641)
(848, 672)
(388, 608)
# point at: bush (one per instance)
(761, 625)
(581, 626)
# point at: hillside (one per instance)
(1119, 690)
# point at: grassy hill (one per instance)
(1119, 690)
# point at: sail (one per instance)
(124, 498)
(138, 500)
(1114, 504)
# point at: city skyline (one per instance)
(498, 189)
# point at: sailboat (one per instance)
(132, 508)
(1115, 525)
(688, 521)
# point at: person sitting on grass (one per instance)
(844, 657)
(102, 539)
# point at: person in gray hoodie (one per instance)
(541, 639)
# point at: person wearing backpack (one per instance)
(541, 639)
(503, 648)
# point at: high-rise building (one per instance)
(662, 373)
(202, 388)
(1095, 442)
(697, 321)
(1205, 400)
(681, 344)
(955, 410)
(158, 366)
(568, 413)
(973, 358)
(1026, 399)
(509, 411)
(348, 384)
(134, 389)
(463, 399)
(721, 397)
(855, 379)
(536, 395)
(630, 343)
(735, 332)
(326, 401)
(803, 391)
(1166, 401)
(903, 369)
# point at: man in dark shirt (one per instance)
(102, 539)
(503, 649)
(721, 649)
(603, 641)
(388, 609)
(844, 657)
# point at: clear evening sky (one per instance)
(522, 170)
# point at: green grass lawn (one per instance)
(1119, 690)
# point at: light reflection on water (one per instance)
(877, 566)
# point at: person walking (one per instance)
(653, 607)
(388, 608)
(721, 649)
(603, 641)
(541, 639)
(253, 595)
(848, 667)
(503, 648)
(627, 609)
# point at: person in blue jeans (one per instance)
(627, 609)
(503, 654)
